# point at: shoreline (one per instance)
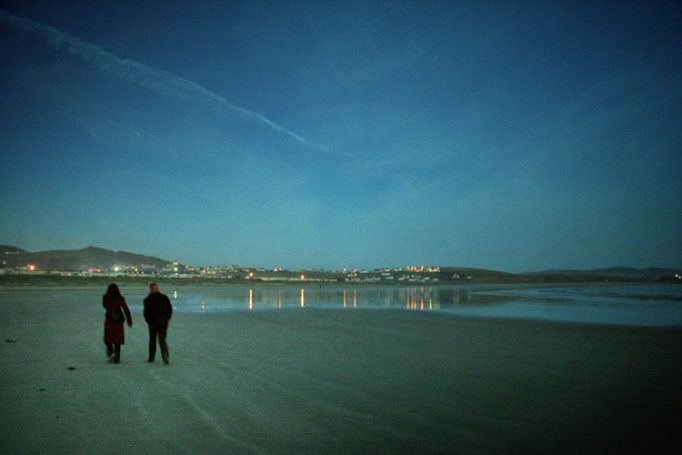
(656, 306)
(47, 279)
(41, 281)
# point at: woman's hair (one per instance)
(112, 291)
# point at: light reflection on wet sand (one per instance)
(652, 305)
(203, 300)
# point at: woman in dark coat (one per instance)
(114, 335)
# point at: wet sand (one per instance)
(339, 381)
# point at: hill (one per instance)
(93, 259)
(615, 272)
(6, 249)
(90, 258)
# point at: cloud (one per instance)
(152, 79)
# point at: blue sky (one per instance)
(516, 136)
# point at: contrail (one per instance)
(153, 79)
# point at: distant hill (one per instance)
(615, 272)
(77, 260)
(463, 272)
(6, 249)
(93, 258)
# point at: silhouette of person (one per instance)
(114, 334)
(157, 312)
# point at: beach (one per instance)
(312, 380)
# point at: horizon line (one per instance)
(546, 270)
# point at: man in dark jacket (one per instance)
(157, 312)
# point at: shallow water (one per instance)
(210, 299)
(635, 304)
(658, 305)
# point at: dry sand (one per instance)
(335, 381)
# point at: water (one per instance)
(633, 304)
(658, 305)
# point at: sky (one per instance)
(516, 136)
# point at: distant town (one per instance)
(413, 274)
(99, 262)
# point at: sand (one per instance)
(333, 381)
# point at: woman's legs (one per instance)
(114, 352)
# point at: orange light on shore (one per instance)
(303, 277)
(31, 267)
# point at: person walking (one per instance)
(157, 313)
(117, 313)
